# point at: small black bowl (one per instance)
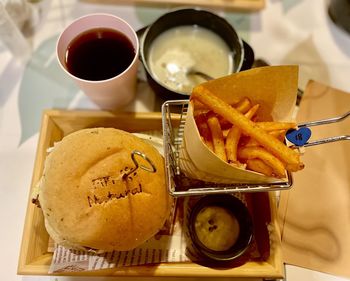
(242, 54)
(238, 209)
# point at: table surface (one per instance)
(285, 32)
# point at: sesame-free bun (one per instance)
(86, 201)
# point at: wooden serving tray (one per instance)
(242, 5)
(34, 256)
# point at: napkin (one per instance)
(315, 213)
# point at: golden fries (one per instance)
(217, 137)
(252, 142)
(276, 126)
(260, 153)
(243, 105)
(231, 144)
(259, 166)
(279, 134)
(234, 134)
(251, 112)
(286, 157)
(204, 131)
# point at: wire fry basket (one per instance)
(173, 120)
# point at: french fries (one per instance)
(275, 126)
(217, 137)
(204, 131)
(278, 134)
(243, 105)
(234, 134)
(259, 166)
(276, 165)
(231, 144)
(239, 141)
(286, 157)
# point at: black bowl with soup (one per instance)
(186, 41)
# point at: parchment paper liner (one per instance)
(273, 87)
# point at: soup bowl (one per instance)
(206, 39)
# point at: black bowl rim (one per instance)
(229, 255)
(176, 10)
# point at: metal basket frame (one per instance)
(173, 121)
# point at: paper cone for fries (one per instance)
(274, 88)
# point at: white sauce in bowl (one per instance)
(180, 49)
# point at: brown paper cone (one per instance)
(274, 88)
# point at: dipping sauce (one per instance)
(181, 49)
(99, 54)
(217, 228)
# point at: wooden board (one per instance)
(34, 256)
(241, 5)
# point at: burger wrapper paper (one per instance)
(172, 245)
(274, 88)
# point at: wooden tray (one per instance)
(241, 5)
(34, 256)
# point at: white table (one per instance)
(285, 32)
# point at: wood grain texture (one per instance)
(239, 5)
(34, 256)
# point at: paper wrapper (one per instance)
(274, 88)
(168, 245)
(172, 246)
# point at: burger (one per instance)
(96, 193)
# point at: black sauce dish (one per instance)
(237, 252)
(241, 53)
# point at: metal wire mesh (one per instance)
(173, 120)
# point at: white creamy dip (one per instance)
(180, 49)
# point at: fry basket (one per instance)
(173, 120)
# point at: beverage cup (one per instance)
(119, 88)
